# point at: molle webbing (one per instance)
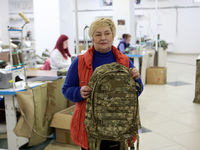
(112, 110)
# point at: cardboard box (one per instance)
(61, 123)
(156, 75)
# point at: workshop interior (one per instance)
(164, 47)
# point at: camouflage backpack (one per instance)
(112, 110)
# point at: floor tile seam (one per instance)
(175, 62)
(192, 97)
(170, 121)
(169, 117)
(182, 106)
(186, 134)
(154, 105)
(198, 129)
(171, 139)
(190, 111)
(167, 106)
(188, 125)
(153, 111)
(195, 130)
(171, 146)
(179, 85)
(195, 111)
(163, 137)
(181, 134)
(170, 89)
(152, 124)
(160, 115)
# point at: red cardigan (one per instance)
(85, 70)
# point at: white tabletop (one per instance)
(20, 86)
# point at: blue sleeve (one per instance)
(122, 48)
(139, 81)
(71, 89)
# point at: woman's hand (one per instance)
(85, 91)
(134, 73)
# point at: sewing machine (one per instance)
(5, 80)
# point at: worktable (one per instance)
(37, 73)
(54, 99)
(14, 142)
(135, 57)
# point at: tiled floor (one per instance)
(168, 110)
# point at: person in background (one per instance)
(102, 32)
(124, 43)
(60, 56)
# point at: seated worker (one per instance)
(124, 43)
(60, 56)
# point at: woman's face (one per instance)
(128, 40)
(102, 39)
(65, 44)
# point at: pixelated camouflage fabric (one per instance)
(197, 84)
(112, 110)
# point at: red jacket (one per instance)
(85, 70)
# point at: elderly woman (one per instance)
(102, 32)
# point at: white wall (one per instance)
(67, 21)
(165, 3)
(178, 23)
(47, 25)
(86, 18)
(53, 18)
(188, 33)
(124, 12)
(88, 11)
(92, 5)
(178, 26)
(4, 21)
